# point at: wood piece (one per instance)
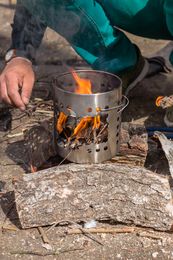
(112, 230)
(133, 140)
(9, 228)
(133, 145)
(167, 148)
(150, 235)
(121, 193)
(43, 235)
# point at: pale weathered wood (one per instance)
(130, 195)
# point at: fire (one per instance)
(158, 101)
(83, 85)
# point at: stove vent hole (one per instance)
(98, 150)
(69, 107)
(89, 110)
(89, 150)
(105, 148)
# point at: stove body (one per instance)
(105, 100)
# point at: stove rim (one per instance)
(88, 95)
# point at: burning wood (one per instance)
(164, 102)
(60, 122)
(83, 130)
(76, 131)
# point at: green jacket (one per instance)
(91, 27)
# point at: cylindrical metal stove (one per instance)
(104, 104)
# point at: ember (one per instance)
(77, 131)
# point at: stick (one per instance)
(10, 228)
(87, 233)
(43, 235)
(112, 230)
(44, 112)
(55, 252)
(149, 235)
(15, 135)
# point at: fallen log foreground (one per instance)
(122, 193)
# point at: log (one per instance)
(112, 192)
(133, 145)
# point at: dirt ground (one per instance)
(53, 58)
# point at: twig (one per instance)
(10, 228)
(10, 136)
(55, 252)
(65, 159)
(44, 112)
(101, 230)
(87, 233)
(15, 135)
(101, 131)
(149, 235)
(12, 130)
(20, 117)
(43, 235)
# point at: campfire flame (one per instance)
(158, 101)
(83, 85)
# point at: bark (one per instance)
(133, 145)
(120, 193)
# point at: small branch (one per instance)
(56, 252)
(111, 230)
(40, 111)
(87, 233)
(10, 228)
(149, 235)
(15, 135)
(43, 235)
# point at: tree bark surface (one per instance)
(121, 193)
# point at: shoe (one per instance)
(144, 68)
(168, 118)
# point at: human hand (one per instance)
(16, 82)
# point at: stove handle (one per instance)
(121, 107)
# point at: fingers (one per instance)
(3, 91)
(12, 86)
(17, 73)
(28, 83)
(9, 92)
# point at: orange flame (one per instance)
(158, 101)
(83, 85)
